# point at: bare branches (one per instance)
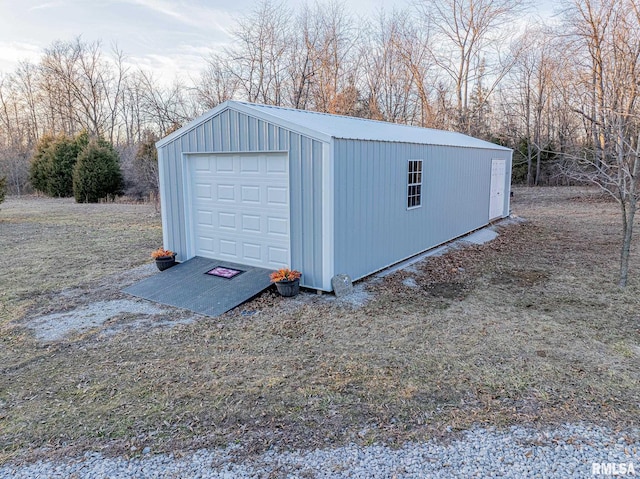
(469, 37)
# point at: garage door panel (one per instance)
(203, 190)
(249, 165)
(202, 164)
(228, 248)
(207, 244)
(278, 256)
(277, 196)
(241, 208)
(251, 224)
(252, 251)
(227, 221)
(277, 226)
(204, 218)
(225, 193)
(222, 164)
(250, 194)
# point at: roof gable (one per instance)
(324, 126)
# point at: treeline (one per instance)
(555, 93)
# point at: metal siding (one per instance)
(216, 124)
(284, 140)
(252, 134)
(373, 227)
(243, 133)
(315, 163)
(234, 129)
(230, 132)
(224, 132)
(295, 221)
(262, 135)
(207, 135)
(306, 203)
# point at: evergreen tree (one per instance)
(61, 159)
(3, 188)
(51, 170)
(97, 173)
(39, 168)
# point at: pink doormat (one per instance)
(224, 272)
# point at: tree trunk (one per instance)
(628, 215)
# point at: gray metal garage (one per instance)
(325, 194)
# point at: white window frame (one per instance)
(414, 183)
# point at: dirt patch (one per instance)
(116, 314)
(448, 290)
(522, 278)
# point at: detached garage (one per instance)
(324, 194)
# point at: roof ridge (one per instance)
(322, 113)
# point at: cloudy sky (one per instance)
(164, 36)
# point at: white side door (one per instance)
(496, 199)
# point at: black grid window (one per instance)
(414, 184)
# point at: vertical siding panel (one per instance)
(175, 177)
(318, 209)
(234, 128)
(192, 138)
(252, 134)
(295, 194)
(224, 131)
(307, 209)
(261, 138)
(271, 136)
(241, 136)
(206, 133)
(217, 133)
(200, 136)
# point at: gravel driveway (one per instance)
(573, 451)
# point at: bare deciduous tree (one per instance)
(610, 32)
(257, 59)
(470, 36)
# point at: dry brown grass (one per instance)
(528, 329)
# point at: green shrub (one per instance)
(51, 170)
(97, 173)
(3, 188)
(62, 159)
(39, 167)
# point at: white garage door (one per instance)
(240, 208)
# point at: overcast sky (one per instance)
(168, 36)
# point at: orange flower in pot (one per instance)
(165, 258)
(287, 281)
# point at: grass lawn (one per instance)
(529, 329)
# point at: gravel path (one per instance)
(566, 452)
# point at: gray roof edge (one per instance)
(245, 108)
(248, 108)
(479, 143)
(259, 111)
(183, 130)
(488, 146)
